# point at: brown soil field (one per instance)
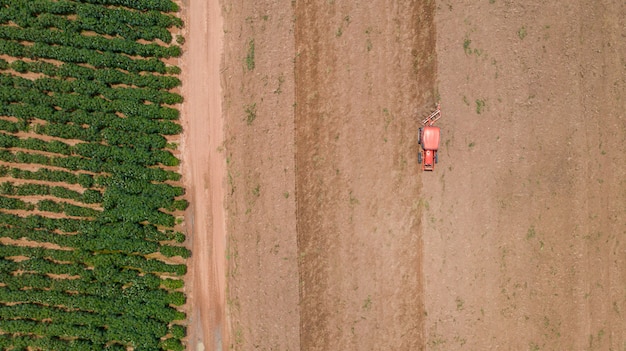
(524, 229)
(314, 228)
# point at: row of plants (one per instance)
(90, 151)
(47, 205)
(84, 56)
(49, 175)
(136, 170)
(89, 199)
(38, 97)
(64, 7)
(91, 88)
(38, 228)
(91, 42)
(88, 196)
(106, 76)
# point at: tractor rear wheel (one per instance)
(419, 136)
(419, 158)
(436, 157)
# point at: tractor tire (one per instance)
(419, 136)
(437, 157)
(419, 158)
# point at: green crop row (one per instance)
(89, 196)
(92, 151)
(10, 203)
(91, 42)
(130, 170)
(91, 88)
(83, 56)
(84, 180)
(67, 7)
(105, 76)
(41, 98)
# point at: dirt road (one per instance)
(203, 172)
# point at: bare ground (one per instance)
(336, 241)
(258, 78)
(357, 181)
(524, 227)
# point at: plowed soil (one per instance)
(335, 238)
(524, 231)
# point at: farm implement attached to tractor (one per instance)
(428, 138)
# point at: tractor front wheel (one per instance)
(436, 157)
(419, 136)
(419, 158)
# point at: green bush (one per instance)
(172, 284)
(171, 251)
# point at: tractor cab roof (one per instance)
(430, 138)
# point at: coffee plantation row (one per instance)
(90, 195)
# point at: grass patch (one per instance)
(531, 233)
(281, 80)
(466, 46)
(367, 304)
(250, 113)
(459, 304)
(250, 56)
(257, 190)
(353, 200)
(522, 33)
(480, 106)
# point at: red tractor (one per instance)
(428, 138)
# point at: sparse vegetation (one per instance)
(459, 304)
(353, 200)
(466, 46)
(250, 63)
(480, 106)
(521, 33)
(531, 233)
(250, 113)
(367, 304)
(281, 80)
(368, 42)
